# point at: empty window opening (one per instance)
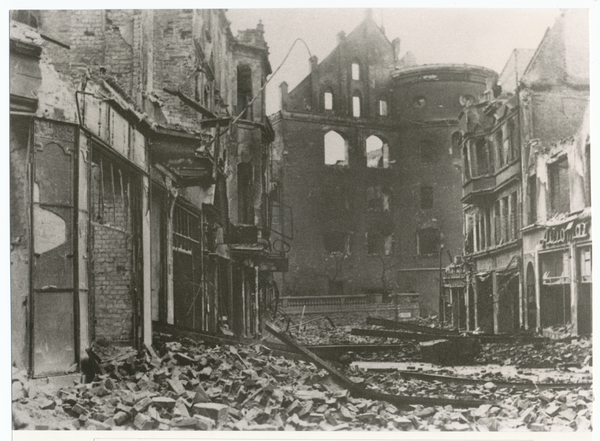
(328, 99)
(497, 223)
(379, 244)
(336, 242)
(245, 194)
(378, 198)
(383, 108)
(427, 152)
(481, 157)
(500, 148)
(419, 101)
(244, 91)
(455, 144)
(356, 103)
(428, 241)
(426, 197)
(514, 216)
(466, 164)
(377, 152)
(558, 174)
(336, 149)
(513, 139)
(355, 71)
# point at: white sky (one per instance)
(483, 37)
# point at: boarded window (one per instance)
(377, 152)
(336, 149)
(559, 187)
(428, 241)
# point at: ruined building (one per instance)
(526, 192)
(369, 147)
(140, 172)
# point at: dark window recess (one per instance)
(245, 200)
(532, 195)
(497, 224)
(428, 152)
(336, 242)
(500, 148)
(466, 164)
(456, 142)
(505, 220)
(559, 187)
(481, 153)
(428, 241)
(514, 218)
(426, 197)
(244, 91)
(379, 244)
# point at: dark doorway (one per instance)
(485, 304)
(530, 297)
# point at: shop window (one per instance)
(328, 99)
(558, 175)
(356, 104)
(428, 241)
(377, 152)
(355, 71)
(336, 242)
(244, 91)
(383, 108)
(426, 197)
(336, 149)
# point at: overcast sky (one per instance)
(483, 37)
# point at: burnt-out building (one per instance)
(370, 162)
(557, 252)
(140, 171)
(526, 190)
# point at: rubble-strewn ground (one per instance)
(189, 385)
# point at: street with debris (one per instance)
(185, 384)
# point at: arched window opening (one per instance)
(356, 104)
(383, 108)
(328, 99)
(355, 71)
(244, 91)
(336, 149)
(377, 152)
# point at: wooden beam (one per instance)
(359, 391)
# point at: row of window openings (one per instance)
(483, 156)
(428, 242)
(379, 199)
(356, 104)
(505, 226)
(377, 151)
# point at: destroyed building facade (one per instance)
(140, 173)
(527, 192)
(369, 147)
